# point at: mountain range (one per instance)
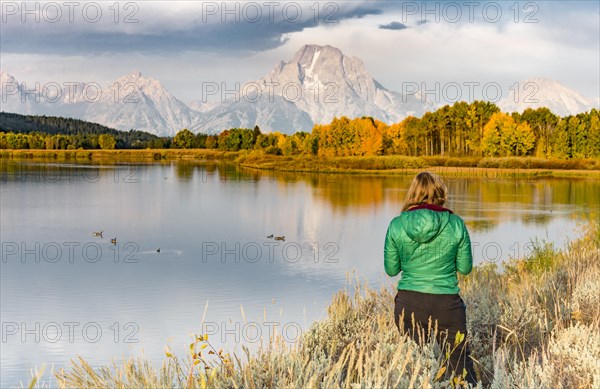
(316, 85)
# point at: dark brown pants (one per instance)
(449, 311)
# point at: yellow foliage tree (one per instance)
(503, 137)
(396, 136)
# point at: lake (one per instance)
(192, 253)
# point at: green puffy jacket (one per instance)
(428, 244)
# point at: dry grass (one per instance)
(396, 164)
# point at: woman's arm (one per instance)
(464, 257)
(391, 261)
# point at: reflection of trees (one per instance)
(341, 191)
(537, 218)
(577, 191)
(483, 225)
(184, 170)
(35, 172)
(210, 168)
(230, 172)
(482, 202)
(208, 171)
(348, 191)
(494, 197)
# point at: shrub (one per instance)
(273, 150)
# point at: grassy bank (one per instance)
(122, 155)
(396, 164)
(376, 165)
(535, 325)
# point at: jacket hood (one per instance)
(424, 224)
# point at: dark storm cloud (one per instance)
(240, 28)
(393, 26)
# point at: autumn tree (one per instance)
(503, 136)
(395, 139)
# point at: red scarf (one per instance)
(431, 207)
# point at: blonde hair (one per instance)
(425, 188)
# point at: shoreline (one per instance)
(357, 165)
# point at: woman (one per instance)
(429, 244)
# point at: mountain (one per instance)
(13, 97)
(542, 92)
(203, 106)
(319, 82)
(143, 104)
(276, 115)
(131, 102)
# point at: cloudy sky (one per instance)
(185, 43)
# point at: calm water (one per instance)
(66, 293)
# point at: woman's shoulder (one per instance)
(396, 220)
(455, 216)
(457, 221)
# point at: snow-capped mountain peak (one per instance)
(316, 85)
(6, 78)
(544, 92)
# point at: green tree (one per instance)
(593, 141)
(542, 122)
(3, 141)
(184, 139)
(478, 115)
(106, 142)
